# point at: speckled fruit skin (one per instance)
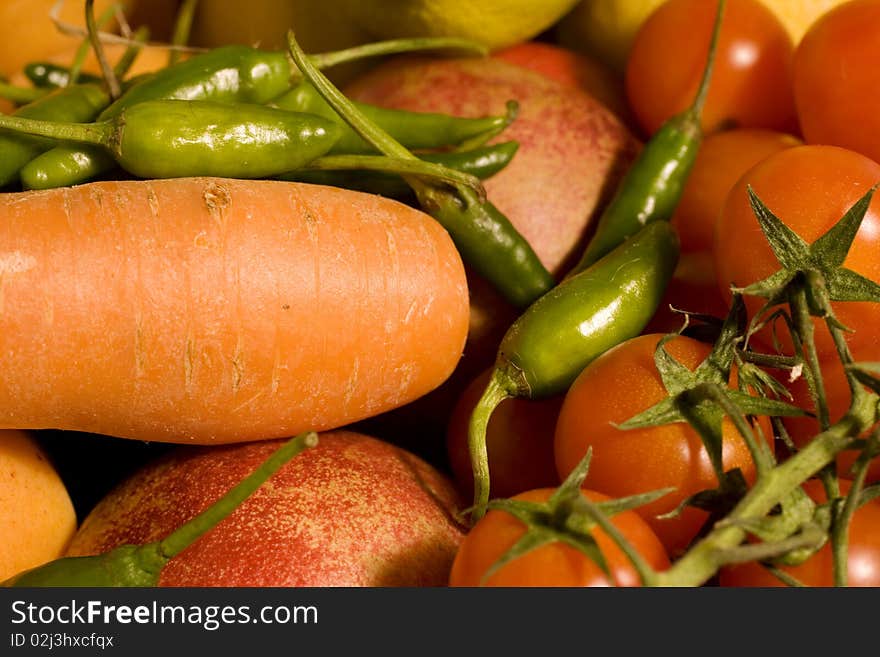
(353, 511)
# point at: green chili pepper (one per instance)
(175, 138)
(78, 103)
(51, 76)
(481, 162)
(414, 130)
(486, 239)
(233, 73)
(557, 336)
(652, 188)
(141, 565)
(20, 95)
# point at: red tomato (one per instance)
(554, 564)
(615, 387)
(723, 158)
(751, 81)
(863, 558)
(809, 188)
(519, 441)
(836, 77)
(838, 396)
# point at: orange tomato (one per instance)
(751, 81)
(863, 556)
(809, 188)
(835, 79)
(554, 564)
(615, 387)
(723, 158)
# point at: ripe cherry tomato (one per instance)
(838, 396)
(519, 440)
(615, 387)
(554, 564)
(751, 81)
(809, 188)
(835, 77)
(863, 558)
(723, 158)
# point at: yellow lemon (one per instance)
(798, 15)
(495, 23)
(605, 29)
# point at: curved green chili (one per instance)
(485, 238)
(175, 138)
(414, 130)
(79, 103)
(141, 565)
(589, 312)
(481, 162)
(233, 73)
(653, 185)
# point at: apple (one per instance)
(37, 518)
(573, 151)
(352, 511)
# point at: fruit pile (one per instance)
(509, 293)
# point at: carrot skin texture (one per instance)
(211, 310)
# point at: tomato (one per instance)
(352, 511)
(809, 188)
(838, 396)
(835, 79)
(519, 441)
(554, 564)
(863, 558)
(723, 158)
(751, 81)
(615, 387)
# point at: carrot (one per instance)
(208, 310)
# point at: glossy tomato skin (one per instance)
(519, 441)
(835, 78)
(837, 394)
(751, 81)
(554, 564)
(809, 188)
(722, 160)
(863, 559)
(615, 387)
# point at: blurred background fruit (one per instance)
(27, 33)
(496, 23)
(320, 26)
(605, 29)
(37, 519)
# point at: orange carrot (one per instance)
(207, 310)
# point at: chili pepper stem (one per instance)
(100, 134)
(395, 46)
(418, 167)
(500, 387)
(187, 534)
(20, 95)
